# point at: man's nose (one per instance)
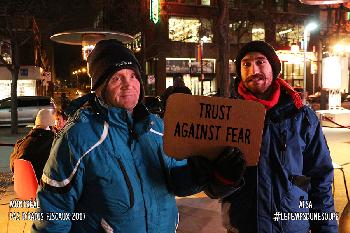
(126, 81)
(254, 69)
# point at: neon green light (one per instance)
(154, 11)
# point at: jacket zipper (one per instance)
(128, 183)
(283, 147)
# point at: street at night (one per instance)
(198, 213)
(162, 116)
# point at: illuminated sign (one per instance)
(154, 11)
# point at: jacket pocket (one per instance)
(295, 208)
(128, 182)
(112, 187)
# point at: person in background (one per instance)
(35, 147)
(60, 119)
(64, 101)
(178, 87)
(108, 163)
(294, 175)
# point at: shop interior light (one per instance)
(294, 48)
(324, 2)
(307, 29)
(205, 39)
(285, 31)
(255, 30)
(338, 48)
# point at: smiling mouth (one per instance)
(255, 78)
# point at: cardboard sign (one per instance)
(200, 125)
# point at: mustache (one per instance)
(258, 76)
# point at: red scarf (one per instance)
(269, 103)
(276, 91)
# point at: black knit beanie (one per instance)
(262, 47)
(108, 57)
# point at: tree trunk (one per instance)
(14, 72)
(224, 48)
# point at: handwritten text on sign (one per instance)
(199, 125)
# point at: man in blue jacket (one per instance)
(107, 170)
(290, 189)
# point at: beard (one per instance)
(257, 83)
(255, 78)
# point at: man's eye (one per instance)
(260, 62)
(246, 64)
(115, 78)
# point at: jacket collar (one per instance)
(119, 115)
(112, 115)
(284, 109)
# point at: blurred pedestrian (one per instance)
(109, 163)
(35, 147)
(64, 101)
(60, 119)
(178, 87)
(294, 175)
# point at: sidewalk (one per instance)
(7, 137)
(198, 213)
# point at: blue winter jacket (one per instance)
(293, 177)
(107, 172)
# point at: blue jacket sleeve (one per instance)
(318, 166)
(61, 186)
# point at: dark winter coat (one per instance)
(35, 147)
(294, 175)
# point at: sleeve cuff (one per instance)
(224, 180)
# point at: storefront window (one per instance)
(294, 73)
(209, 86)
(189, 65)
(190, 30)
(233, 4)
(287, 34)
(177, 65)
(278, 5)
(205, 2)
(190, 70)
(240, 32)
(24, 87)
(189, 2)
(5, 51)
(252, 4)
(258, 32)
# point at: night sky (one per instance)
(67, 58)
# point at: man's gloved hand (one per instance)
(201, 169)
(230, 166)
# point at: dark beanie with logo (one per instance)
(108, 57)
(264, 48)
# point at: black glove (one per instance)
(201, 169)
(230, 166)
